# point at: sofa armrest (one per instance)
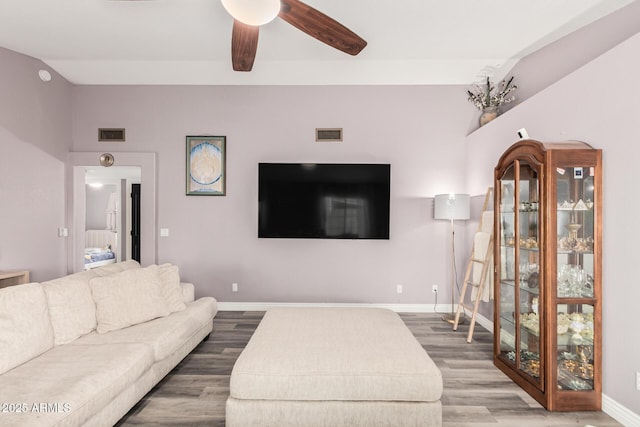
(188, 292)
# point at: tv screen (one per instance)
(323, 201)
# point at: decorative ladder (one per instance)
(468, 282)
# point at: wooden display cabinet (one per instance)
(548, 268)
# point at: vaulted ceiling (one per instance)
(189, 41)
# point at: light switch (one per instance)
(164, 232)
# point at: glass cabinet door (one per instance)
(508, 266)
(575, 277)
(575, 346)
(528, 255)
(520, 308)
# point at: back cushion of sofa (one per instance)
(170, 286)
(25, 328)
(71, 307)
(127, 298)
(117, 267)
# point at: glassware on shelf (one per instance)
(575, 244)
(578, 325)
(528, 207)
(573, 281)
(529, 274)
(575, 367)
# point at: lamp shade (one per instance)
(452, 206)
(252, 12)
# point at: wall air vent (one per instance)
(328, 134)
(111, 135)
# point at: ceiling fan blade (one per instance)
(321, 27)
(244, 43)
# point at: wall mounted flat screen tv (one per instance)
(323, 201)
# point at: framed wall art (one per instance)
(206, 165)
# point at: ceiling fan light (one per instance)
(252, 12)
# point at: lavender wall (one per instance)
(598, 104)
(419, 130)
(544, 67)
(35, 136)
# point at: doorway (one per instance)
(78, 164)
(112, 214)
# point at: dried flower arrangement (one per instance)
(485, 95)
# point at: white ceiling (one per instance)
(189, 41)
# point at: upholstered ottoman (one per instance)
(334, 367)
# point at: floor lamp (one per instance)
(452, 207)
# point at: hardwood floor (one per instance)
(476, 394)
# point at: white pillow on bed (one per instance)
(128, 298)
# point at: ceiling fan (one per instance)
(250, 14)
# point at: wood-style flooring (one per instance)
(476, 394)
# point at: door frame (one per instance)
(76, 164)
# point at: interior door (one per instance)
(135, 221)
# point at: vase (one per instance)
(488, 114)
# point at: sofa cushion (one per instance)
(164, 335)
(75, 382)
(335, 354)
(205, 309)
(188, 292)
(71, 307)
(117, 267)
(25, 327)
(127, 298)
(170, 286)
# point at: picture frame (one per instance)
(206, 165)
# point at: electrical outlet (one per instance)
(638, 381)
(234, 287)
(399, 289)
(434, 289)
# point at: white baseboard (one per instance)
(619, 412)
(609, 406)
(483, 321)
(399, 308)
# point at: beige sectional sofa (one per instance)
(85, 348)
